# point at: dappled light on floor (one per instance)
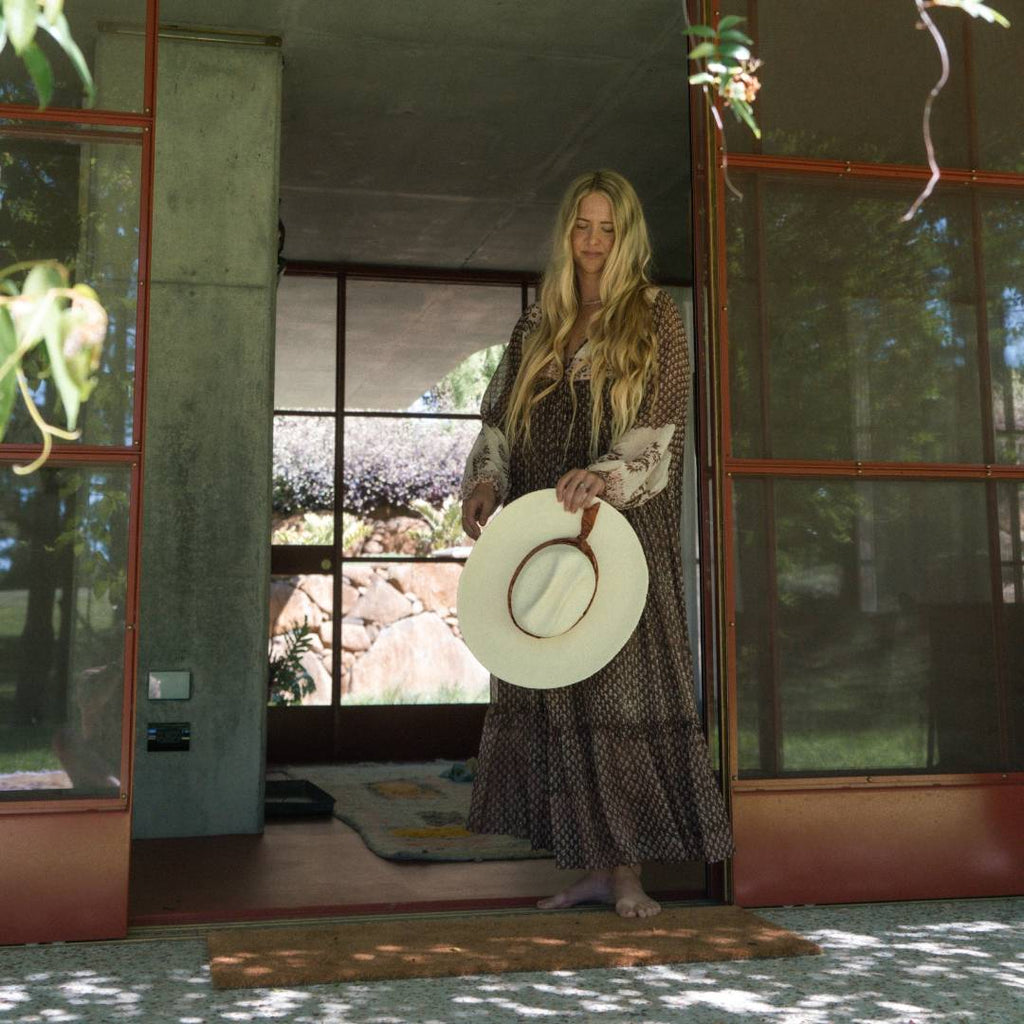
(926, 963)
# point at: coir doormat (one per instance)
(410, 811)
(432, 947)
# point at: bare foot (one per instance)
(594, 887)
(630, 898)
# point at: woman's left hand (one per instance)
(577, 489)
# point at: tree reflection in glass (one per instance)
(63, 558)
(852, 335)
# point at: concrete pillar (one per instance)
(205, 545)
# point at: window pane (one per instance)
(852, 335)
(1003, 227)
(303, 480)
(842, 117)
(400, 637)
(63, 555)
(301, 640)
(425, 347)
(998, 86)
(402, 480)
(307, 343)
(111, 36)
(74, 197)
(864, 625)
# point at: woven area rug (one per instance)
(410, 812)
(432, 947)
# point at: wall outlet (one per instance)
(170, 685)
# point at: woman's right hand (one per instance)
(477, 508)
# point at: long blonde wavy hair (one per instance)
(623, 345)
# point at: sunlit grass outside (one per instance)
(28, 747)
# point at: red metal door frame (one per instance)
(66, 863)
(829, 839)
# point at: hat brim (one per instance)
(484, 619)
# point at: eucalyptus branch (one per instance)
(975, 9)
(48, 431)
(70, 324)
(16, 268)
(13, 361)
(926, 122)
(19, 22)
(728, 68)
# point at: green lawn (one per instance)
(23, 748)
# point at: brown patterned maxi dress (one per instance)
(613, 769)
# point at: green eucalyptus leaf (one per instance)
(61, 32)
(32, 328)
(717, 67)
(41, 279)
(39, 70)
(703, 50)
(737, 37)
(20, 19)
(52, 10)
(976, 9)
(741, 108)
(729, 21)
(702, 78)
(9, 382)
(704, 31)
(68, 390)
(733, 51)
(3, 34)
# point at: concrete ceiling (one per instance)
(443, 133)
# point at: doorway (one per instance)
(425, 178)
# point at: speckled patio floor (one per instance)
(956, 962)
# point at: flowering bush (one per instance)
(388, 463)
(396, 462)
(303, 474)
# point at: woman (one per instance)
(590, 398)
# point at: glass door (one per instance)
(388, 678)
(869, 410)
(74, 187)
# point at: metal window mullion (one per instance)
(339, 483)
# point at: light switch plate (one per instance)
(170, 685)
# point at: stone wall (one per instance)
(400, 635)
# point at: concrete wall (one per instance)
(205, 551)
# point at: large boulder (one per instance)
(437, 586)
(417, 658)
(321, 675)
(289, 606)
(381, 603)
(359, 574)
(354, 636)
(321, 590)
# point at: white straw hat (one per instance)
(548, 597)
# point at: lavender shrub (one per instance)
(396, 462)
(388, 463)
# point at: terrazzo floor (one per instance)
(956, 962)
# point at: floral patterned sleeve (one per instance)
(489, 458)
(638, 466)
